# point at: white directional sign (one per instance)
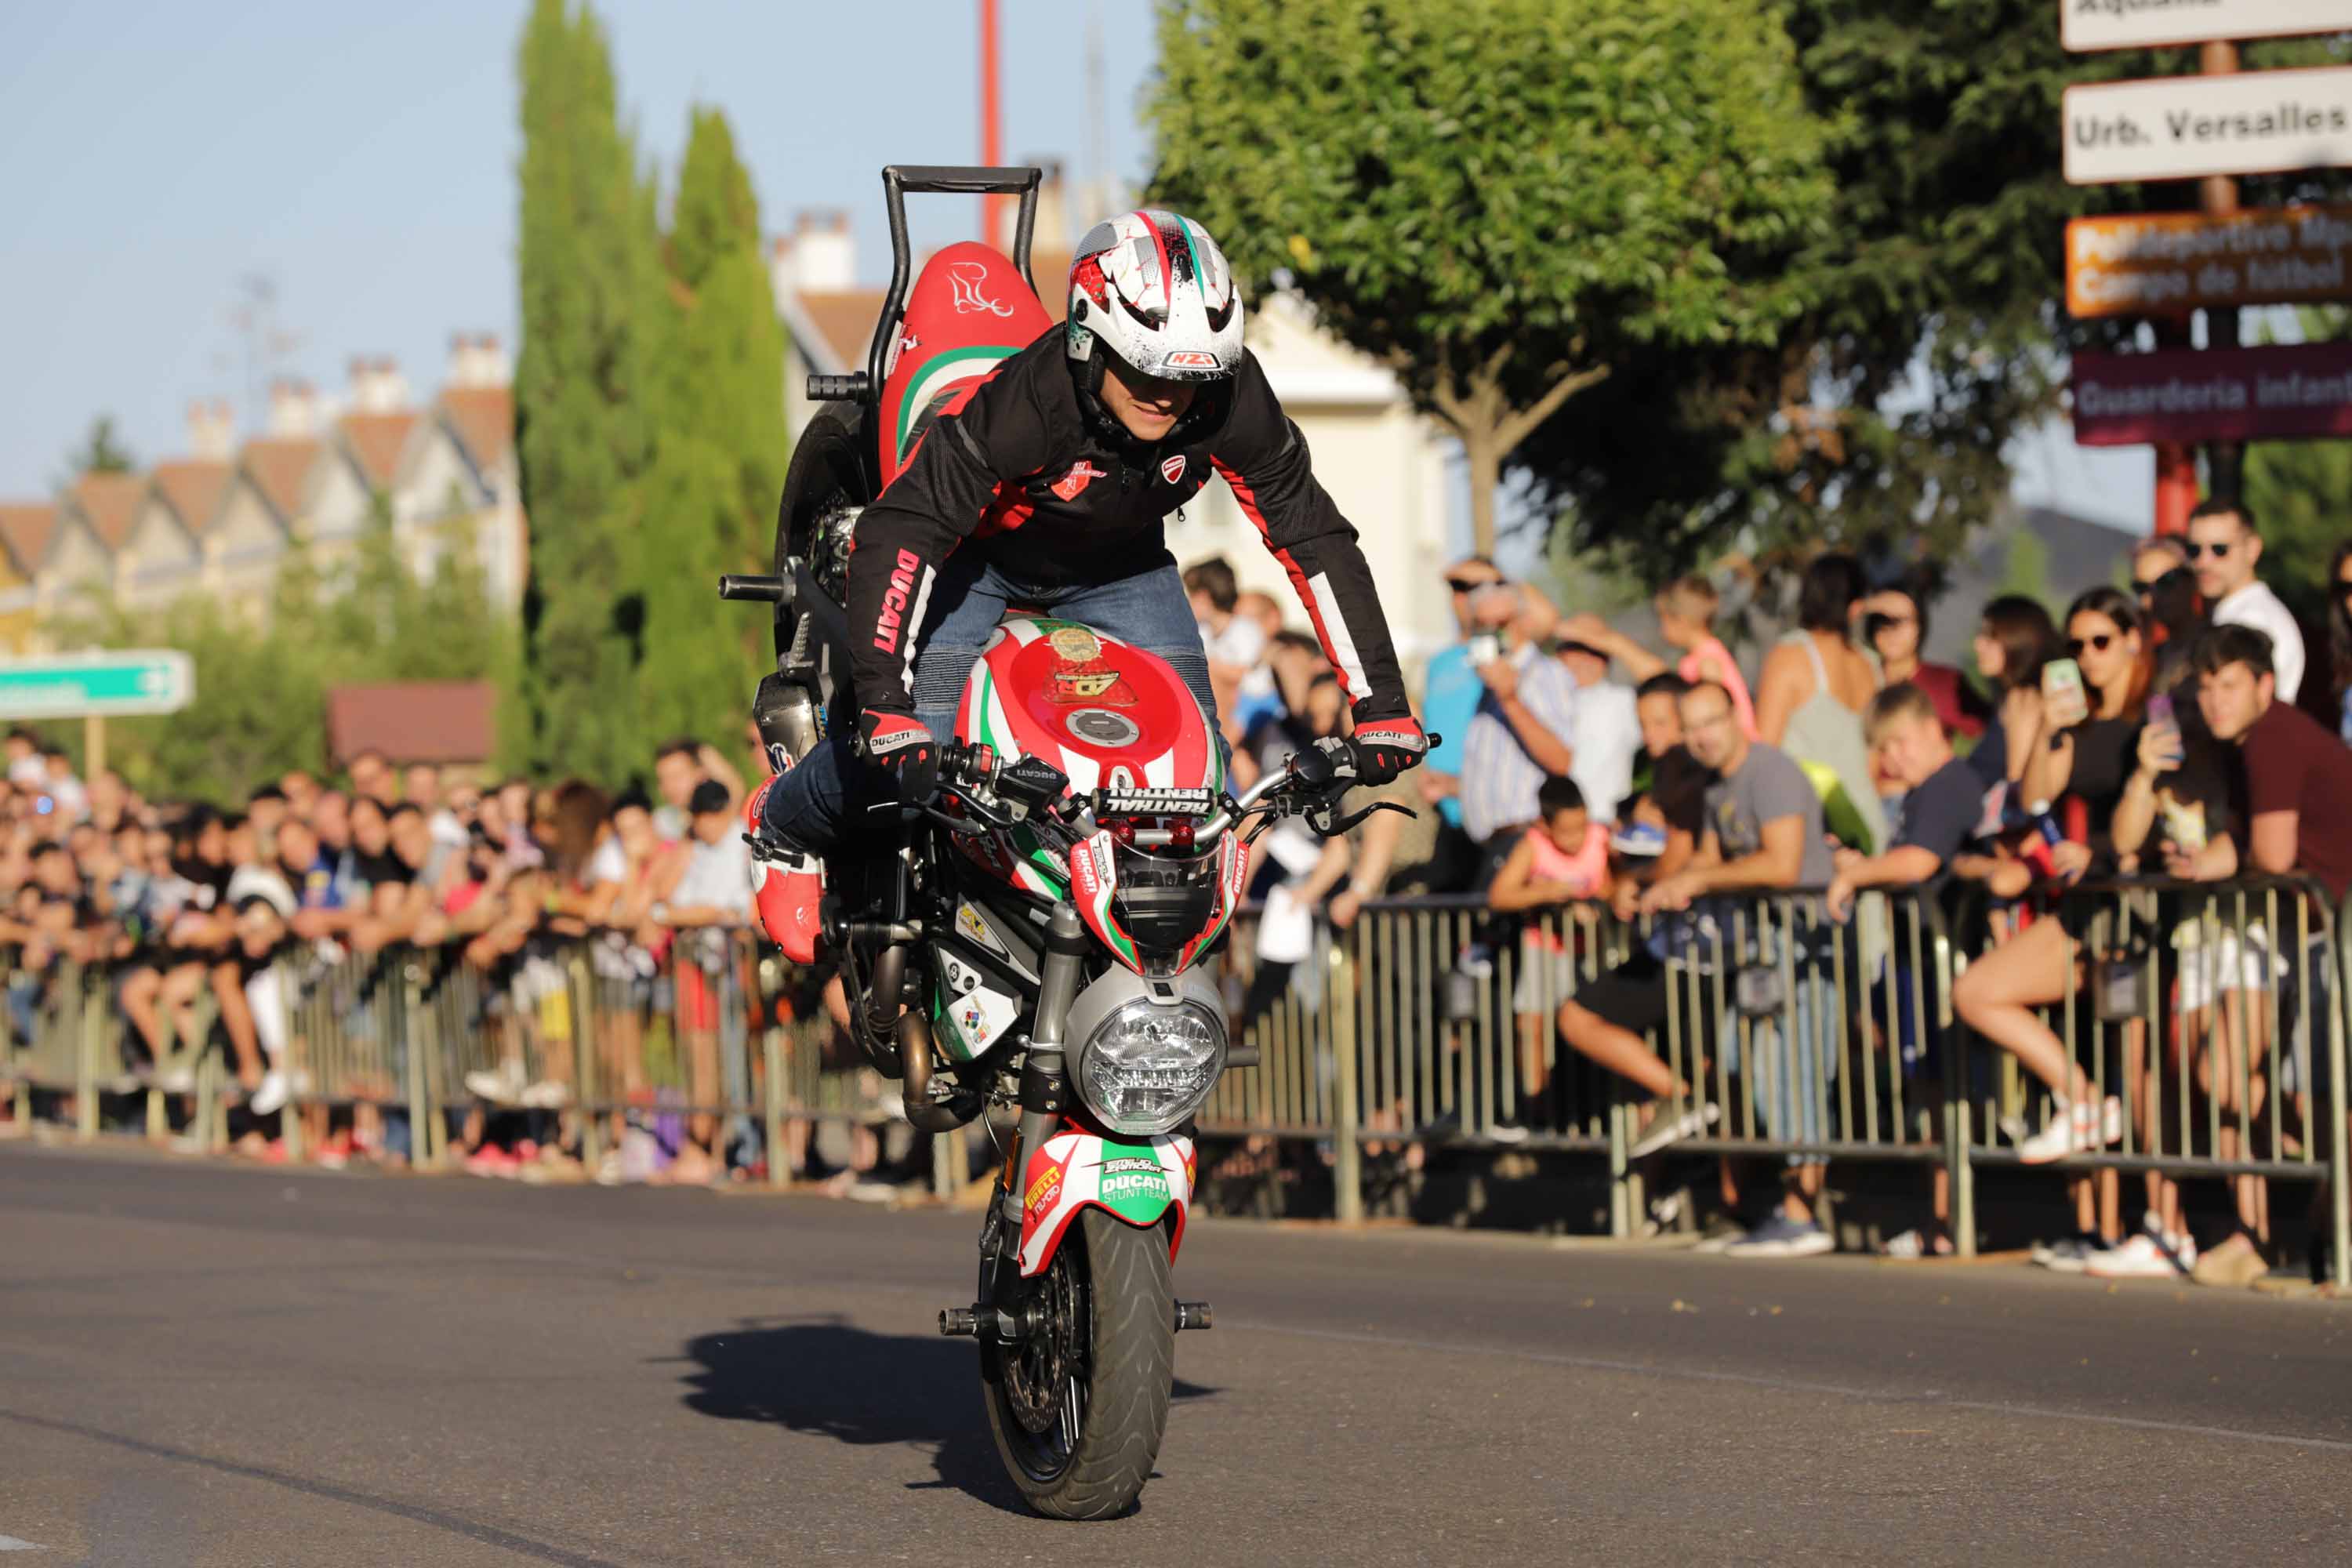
(2181, 128)
(2147, 24)
(97, 685)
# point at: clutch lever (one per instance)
(1319, 819)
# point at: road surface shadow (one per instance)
(822, 1375)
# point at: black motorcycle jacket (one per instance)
(1041, 476)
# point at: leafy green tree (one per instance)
(584, 391)
(2025, 569)
(1506, 201)
(102, 451)
(1934, 329)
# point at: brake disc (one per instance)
(1038, 1378)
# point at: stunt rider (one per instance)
(1053, 479)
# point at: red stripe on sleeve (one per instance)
(1248, 498)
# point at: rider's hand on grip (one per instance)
(1386, 747)
(906, 746)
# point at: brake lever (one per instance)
(1329, 829)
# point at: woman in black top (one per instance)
(2092, 761)
(2014, 640)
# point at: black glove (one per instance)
(906, 746)
(1386, 747)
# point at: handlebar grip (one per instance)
(762, 589)
(850, 388)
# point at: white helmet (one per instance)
(1154, 289)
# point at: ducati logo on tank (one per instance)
(964, 279)
(1172, 469)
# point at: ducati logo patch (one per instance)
(1172, 469)
(1082, 474)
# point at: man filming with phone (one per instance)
(1517, 736)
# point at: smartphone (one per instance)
(1484, 648)
(2062, 690)
(2161, 716)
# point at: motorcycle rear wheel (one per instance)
(1107, 1340)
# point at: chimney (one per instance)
(293, 409)
(1052, 231)
(817, 258)
(477, 360)
(212, 430)
(377, 386)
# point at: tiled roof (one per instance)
(413, 720)
(26, 530)
(111, 503)
(483, 417)
(278, 465)
(377, 440)
(192, 489)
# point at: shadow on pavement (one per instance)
(823, 1377)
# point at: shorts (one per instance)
(1645, 995)
(1547, 973)
(698, 999)
(2212, 962)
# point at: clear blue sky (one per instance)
(152, 155)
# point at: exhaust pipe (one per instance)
(924, 1114)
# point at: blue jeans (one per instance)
(812, 806)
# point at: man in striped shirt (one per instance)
(1518, 734)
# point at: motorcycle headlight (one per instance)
(1150, 1065)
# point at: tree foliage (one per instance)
(1507, 201)
(262, 683)
(590, 281)
(102, 451)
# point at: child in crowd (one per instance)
(1563, 858)
(1687, 609)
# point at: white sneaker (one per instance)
(2077, 1128)
(2071, 1254)
(546, 1095)
(2146, 1256)
(503, 1087)
(1671, 1129)
(270, 1098)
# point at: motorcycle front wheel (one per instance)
(1078, 1407)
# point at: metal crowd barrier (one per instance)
(596, 1031)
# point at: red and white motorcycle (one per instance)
(1031, 940)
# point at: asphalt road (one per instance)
(206, 1364)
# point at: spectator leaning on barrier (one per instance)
(2298, 776)
(1563, 858)
(2169, 607)
(1604, 733)
(1765, 831)
(1519, 734)
(2224, 547)
(1942, 800)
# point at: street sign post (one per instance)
(113, 684)
(2089, 24)
(2152, 263)
(95, 687)
(2183, 127)
(2212, 395)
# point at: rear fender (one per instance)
(1138, 1184)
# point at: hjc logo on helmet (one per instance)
(964, 279)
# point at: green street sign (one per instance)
(97, 685)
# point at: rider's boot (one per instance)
(786, 884)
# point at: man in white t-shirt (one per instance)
(1605, 733)
(2224, 546)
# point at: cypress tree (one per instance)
(588, 268)
(709, 505)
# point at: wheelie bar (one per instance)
(963, 1322)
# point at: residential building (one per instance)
(222, 520)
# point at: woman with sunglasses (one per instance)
(2339, 638)
(2168, 603)
(1894, 624)
(2093, 760)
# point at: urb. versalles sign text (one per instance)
(2212, 395)
(2181, 128)
(2147, 24)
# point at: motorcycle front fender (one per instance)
(1138, 1184)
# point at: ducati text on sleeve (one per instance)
(893, 600)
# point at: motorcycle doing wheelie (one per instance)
(1031, 939)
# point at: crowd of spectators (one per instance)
(187, 911)
(2149, 732)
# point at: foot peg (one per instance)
(1192, 1315)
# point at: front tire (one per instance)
(1079, 1408)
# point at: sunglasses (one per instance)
(2099, 642)
(2217, 550)
(1465, 585)
(2343, 590)
(2144, 589)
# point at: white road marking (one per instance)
(10, 1543)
